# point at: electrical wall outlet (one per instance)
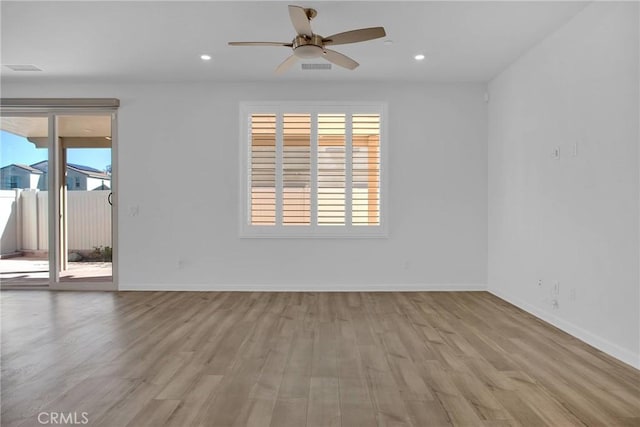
(572, 294)
(555, 153)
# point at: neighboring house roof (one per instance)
(91, 173)
(43, 165)
(85, 170)
(25, 167)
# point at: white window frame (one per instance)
(247, 230)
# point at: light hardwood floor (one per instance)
(301, 359)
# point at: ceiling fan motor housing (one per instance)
(308, 47)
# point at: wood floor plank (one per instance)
(289, 412)
(518, 408)
(256, 413)
(194, 401)
(545, 405)
(155, 413)
(356, 406)
(324, 403)
(428, 413)
(127, 407)
(481, 399)
(238, 359)
(387, 399)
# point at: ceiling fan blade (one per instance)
(340, 59)
(355, 36)
(260, 44)
(300, 20)
(286, 64)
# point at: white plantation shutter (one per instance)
(313, 171)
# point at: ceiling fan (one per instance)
(306, 44)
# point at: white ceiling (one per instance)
(162, 41)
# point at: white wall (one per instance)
(574, 219)
(437, 192)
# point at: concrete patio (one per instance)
(32, 271)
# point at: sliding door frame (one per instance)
(52, 108)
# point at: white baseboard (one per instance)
(419, 287)
(606, 346)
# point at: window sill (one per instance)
(317, 232)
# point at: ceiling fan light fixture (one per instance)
(307, 47)
(308, 51)
(419, 57)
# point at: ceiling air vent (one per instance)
(316, 66)
(23, 67)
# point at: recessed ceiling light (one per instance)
(205, 57)
(419, 57)
(388, 42)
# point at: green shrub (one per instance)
(103, 253)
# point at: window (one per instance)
(13, 181)
(313, 170)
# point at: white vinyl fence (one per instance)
(8, 221)
(24, 220)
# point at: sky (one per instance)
(16, 149)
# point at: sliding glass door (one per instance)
(56, 199)
(86, 247)
(24, 200)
